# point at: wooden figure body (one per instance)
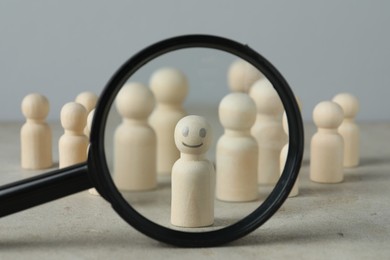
(88, 100)
(92, 191)
(237, 150)
(73, 143)
(134, 140)
(170, 88)
(193, 176)
(283, 158)
(242, 75)
(268, 130)
(327, 145)
(35, 134)
(348, 129)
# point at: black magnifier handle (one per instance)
(27, 193)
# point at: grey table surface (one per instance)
(350, 220)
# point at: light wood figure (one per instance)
(170, 88)
(348, 129)
(193, 176)
(237, 150)
(268, 130)
(35, 134)
(92, 191)
(88, 100)
(73, 143)
(283, 158)
(242, 75)
(134, 140)
(327, 145)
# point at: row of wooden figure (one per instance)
(36, 135)
(160, 139)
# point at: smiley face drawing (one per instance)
(193, 135)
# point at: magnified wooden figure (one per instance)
(193, 176)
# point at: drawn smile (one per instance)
(192, 146)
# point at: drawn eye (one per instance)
(202, 132)
(185, 131)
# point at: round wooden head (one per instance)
(328, 114)
(87, 99)
(73, 117)
(35, 106)
(193, 135)
(266, 98)
(348, 103)
(237, 111)
(135, 101)
(242, 75)
(169, 85)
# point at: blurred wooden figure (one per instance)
(237, 150)
(268, 130)
(92, 191)
(73, 143)
(170, 88)
(193, 176)
(134, 140)
(283, 158)
(348, 129)
(35, 134)
(242, 75)
(327, 145)
(88, 100)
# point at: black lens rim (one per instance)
(100, 173)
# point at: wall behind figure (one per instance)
(322, 48)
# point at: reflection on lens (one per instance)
(140, 139)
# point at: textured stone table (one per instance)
(350, 220)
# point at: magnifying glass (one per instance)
(205, 59)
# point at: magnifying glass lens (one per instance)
(140, 145)
(177, 142)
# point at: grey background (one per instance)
(60, 48)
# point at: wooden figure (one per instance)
(193, 176)
(237, 150)
(348, 129)
(242, 75)
(283, 158)
(73, 143)
(134, 140)
(88, 100)
(170, 88)
(92, 191)
(327, 145)
(35, 134)
(268, 130)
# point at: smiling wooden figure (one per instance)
(193, 176)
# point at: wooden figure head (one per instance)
(193, 135)
(237, 111)
(135, 101)
(35, 107)
(328, 114)
(242, 75)
(73, 117)
(169, 85)
(348, 103)
(266, 98)
(87, 99)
